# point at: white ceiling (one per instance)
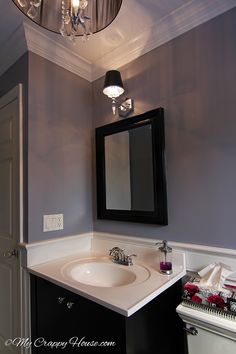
(140, 26)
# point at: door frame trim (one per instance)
(16, 93)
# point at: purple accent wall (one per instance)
(193, 77)
(59, 153)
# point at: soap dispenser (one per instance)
(165, 257)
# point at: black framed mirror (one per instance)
(130, 167)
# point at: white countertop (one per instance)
(125, 299)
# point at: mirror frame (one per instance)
(159, 214)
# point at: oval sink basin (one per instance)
(104, 274)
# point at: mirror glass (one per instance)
(130, 165)
(129, 169)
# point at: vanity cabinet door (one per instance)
(61, 316)
(156, 328)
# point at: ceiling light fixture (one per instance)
(113, 88)
(71, 18)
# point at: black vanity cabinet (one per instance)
(60, 317)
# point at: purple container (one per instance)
(165, 258)
(165, 266)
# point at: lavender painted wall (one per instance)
(17, 73)
(193, 77)
(59, 153)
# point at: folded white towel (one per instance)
(230, 281)
(214, 275)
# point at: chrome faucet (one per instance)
(119, 257)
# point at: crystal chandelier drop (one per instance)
(71, 18)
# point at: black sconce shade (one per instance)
(114, 82)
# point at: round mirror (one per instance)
(88, 16)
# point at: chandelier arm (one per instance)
(41, 11)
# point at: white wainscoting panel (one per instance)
(45, 251)
(197, 256)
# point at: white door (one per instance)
(10, 217)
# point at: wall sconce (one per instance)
(113, 88)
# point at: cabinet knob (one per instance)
(69, 305)
(191, 330)
(60, 299)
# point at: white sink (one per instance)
(104, 273)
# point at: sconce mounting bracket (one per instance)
(126, 107)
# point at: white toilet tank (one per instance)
(208, 333)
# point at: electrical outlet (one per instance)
(53, 222)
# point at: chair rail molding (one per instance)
(197, 256)
(48, 250)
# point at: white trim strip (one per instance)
(21, 161)
(48, 48)
(197, 256)
(25, 308)
(179, 245)
(183, 19)
(45, 251)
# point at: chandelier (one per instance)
(71, 18)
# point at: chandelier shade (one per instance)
(71, 17)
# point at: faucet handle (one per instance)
(129, 258)
(114, 250)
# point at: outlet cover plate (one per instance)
(53, 222)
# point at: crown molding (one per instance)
(48, 48)
(13, 49)
(28, 37)
(176, 23)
